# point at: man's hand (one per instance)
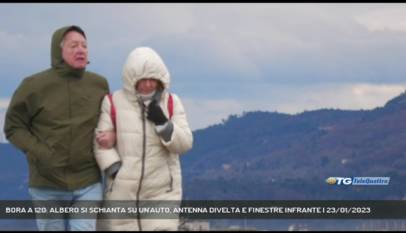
(155, 114)
(106, 139)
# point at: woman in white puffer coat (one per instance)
(144, 163)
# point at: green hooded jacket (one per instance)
(52, 117)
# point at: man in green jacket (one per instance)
(51, 118)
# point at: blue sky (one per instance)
(226, 58)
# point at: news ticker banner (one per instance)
(208, 209)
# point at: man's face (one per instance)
(74, 50)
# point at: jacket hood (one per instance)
(144, 62)
(56, 50)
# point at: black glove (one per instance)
(155, 114)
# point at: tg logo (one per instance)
(339, 180)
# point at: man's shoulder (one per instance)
(95, 76)
(38, 77)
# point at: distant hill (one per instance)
(14, 173)
(270, 155)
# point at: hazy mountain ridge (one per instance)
(263, 155)
(270, 155)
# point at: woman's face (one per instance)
(146, 86)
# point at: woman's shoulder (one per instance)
(118, 94)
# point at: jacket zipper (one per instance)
(144, 142)
(71, 130)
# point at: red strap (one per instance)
(112, 110)
(170, 106)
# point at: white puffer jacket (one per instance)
(150, 167)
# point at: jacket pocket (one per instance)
(43, 155)
(170, 185)
(49, 163)
(45, 165)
